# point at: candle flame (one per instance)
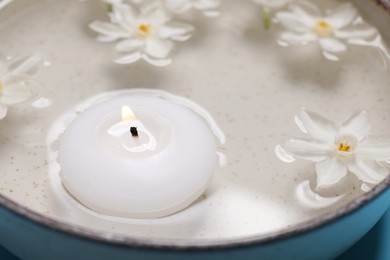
(127, 113)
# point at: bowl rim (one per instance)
(194, 244)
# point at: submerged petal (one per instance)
(342, 16)
(355, 34)
(3, 111)
(131, 58)
(26, 67)
(368, 170)
(330, 56)
(297, 38)
(330, 172)
(307, 149)
(15, 93)
(156, 62)
(332, 45)
(176, 30)
(316, 126)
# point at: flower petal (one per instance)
(307, 149)
(357, 125)
(15, 93)
(355, 34)
(308, 13)
(332, 45)
(378, 150)
(292, 22)
(330, 172)
(158, 48)
(154, 13)
(368, 170)
(123, 14)
(131, 58)
(129, 45)
(106, 38)
(316, 126)
(330, 56)
(156, 62)
(295, 38)
(3, 111)
(342, 16)
(176, 31)
(111, 31)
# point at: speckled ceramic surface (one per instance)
(232, 68)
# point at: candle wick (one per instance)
(134, 131)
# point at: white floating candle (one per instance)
(149, 159)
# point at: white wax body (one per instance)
(132, 185)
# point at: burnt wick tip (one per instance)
(134, 131)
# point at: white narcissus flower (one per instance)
(272, 4)
(337, 150)
(14, 84)
(331, 31)
(207, 7)
(146, 34)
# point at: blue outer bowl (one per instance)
(29, 235)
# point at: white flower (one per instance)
(331, 31)
(337, 150)
(272, 4)
(14, 84)
(146, 34)
(208, 7)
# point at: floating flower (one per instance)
(331, 31)
(14, 87)
(146, 34)
(337, 150)
(207, 7)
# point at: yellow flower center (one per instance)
(344, 147)
(1, 88)
(323, 29)
(144, 30)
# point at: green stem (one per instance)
(267, 18)
(109, 8)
